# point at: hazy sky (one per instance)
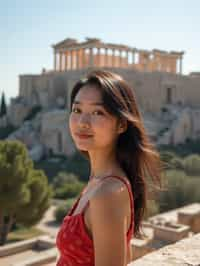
(29, 28)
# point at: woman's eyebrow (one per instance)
(91, 103)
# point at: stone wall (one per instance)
(184, 252)
(167, 87)
(55, 132)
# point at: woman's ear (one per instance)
(122, 126)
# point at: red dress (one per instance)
(74, 243)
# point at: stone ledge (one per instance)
(45, 257)
(20, 246)
(182, 253)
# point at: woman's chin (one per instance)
(83, 146)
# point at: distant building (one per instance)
(73, 55)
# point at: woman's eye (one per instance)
(77, 110)
(99, 112)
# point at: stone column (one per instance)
(180, 65)
(77, 59)
(71, 55)
(63, 61)
(66, 61)
(106, 57)
(133, 57)
(98, 57)
(55, 60)
(120, 58)
(91, 58)
(83, 58)
(127, 56)
(113, 57)
(60, 61)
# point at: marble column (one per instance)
(133, 57)
(127, 57)
(180, 64)
(106, 57)
(91, 58)
(120, 58)
(63, 62)
(113, 57)
(60, 61)
(77, 59)
(66, 61)
(98, 57)
(83, 58)
(71, 61)
(55, 60)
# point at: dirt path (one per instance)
(47, 224)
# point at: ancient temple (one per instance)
(70, 54)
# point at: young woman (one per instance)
(107, 128)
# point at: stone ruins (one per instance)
(73, 55)
(168, 100)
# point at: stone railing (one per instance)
(182, 253)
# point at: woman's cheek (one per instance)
(102, 126)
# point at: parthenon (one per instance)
(70, 54)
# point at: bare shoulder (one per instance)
(112, 185)
(108, 209)
(110, 198)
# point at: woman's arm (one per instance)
(108, 221)
(129, 254)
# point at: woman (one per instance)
(107, 128)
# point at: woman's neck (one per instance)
(103, 162)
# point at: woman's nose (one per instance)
(84, 120)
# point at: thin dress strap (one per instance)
(76, 202)
(129, 190)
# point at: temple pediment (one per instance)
(65, 43)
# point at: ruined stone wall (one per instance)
(152, 89)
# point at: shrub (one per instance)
(180, 190)
(192, 164)
(69, 190)
(62, 210)
(64, 178)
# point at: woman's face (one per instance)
(89, 117)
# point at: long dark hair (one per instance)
(135, 152)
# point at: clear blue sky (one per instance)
(29, 28)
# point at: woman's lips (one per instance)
(83, 136)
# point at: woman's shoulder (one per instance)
(113, 182)
(112, 190)
(110, 200)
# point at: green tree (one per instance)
(24, 191)
(192, 165)
(181, 190)
(64, 178)
(62, 210)
(70, 190)
(3, 108)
